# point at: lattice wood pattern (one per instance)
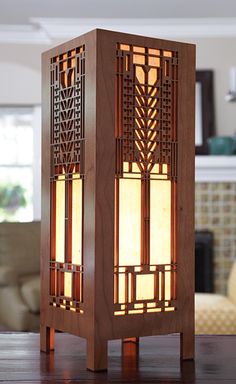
(67, 167)
(146, 149)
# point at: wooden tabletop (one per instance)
(21, 361)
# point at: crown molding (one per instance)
(23, 34)
(48, 30)
(205, 27)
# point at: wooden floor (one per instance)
(21, 361)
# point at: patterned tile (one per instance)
(215, 210)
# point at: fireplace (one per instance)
(204, 273)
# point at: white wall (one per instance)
(20, 78)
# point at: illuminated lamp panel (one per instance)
(67, 73)
(145, 264)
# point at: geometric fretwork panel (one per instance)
(160, 289)
(67, 91)
(146, 176)
(147, 115)
(67, 84)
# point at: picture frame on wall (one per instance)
(204, 115)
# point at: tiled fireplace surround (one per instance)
(215, 210)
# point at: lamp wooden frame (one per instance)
(98, 324)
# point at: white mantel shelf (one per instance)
(215, 169)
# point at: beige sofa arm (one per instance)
(7, 276)
(232, 284)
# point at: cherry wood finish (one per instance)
(21, 362)
(98, 324)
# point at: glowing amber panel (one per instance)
(60, 219)
(67, 284)
(76, 220)
(121, 297)
(145, 170)
(144, 287)
(160, 222)
(129, 222)
(167, 286)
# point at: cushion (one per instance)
(15, 314)
(214, 314)
(30, 291)
(20, 246)
(7, 276)
(232, 284)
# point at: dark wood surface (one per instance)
(21, 361)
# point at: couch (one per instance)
(214, 313)
(20, 286)
(19, 276)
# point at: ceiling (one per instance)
(48, 21)
(21, 11)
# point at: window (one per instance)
(19, 163)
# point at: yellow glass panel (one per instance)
(67, 284)
(154, 52)
(169, 309)
(121, 293)
(145, 287)
(139, 59)
(119, 313)
(155, 169)
(139, 49)
(152, 76)
(160, 222)
(160, 287)
(126, 166)
(154, 61)
(167, 285)
(140, 74)
(135, 168)
(125, 47)
(164, 168)
(130, 287)
(127, 63)
(60, 219)
(159, 177)
(76, 220)
(167, 53)
(134, 311)
(129, 222)
(154, 310)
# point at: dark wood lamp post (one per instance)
(117, 255)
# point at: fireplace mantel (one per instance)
(215, 169)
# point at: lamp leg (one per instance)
(130, 346)
(187, 345)
(46, 338)
(96, 355)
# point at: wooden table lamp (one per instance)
(117, 255)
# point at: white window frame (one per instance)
(36, 163)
